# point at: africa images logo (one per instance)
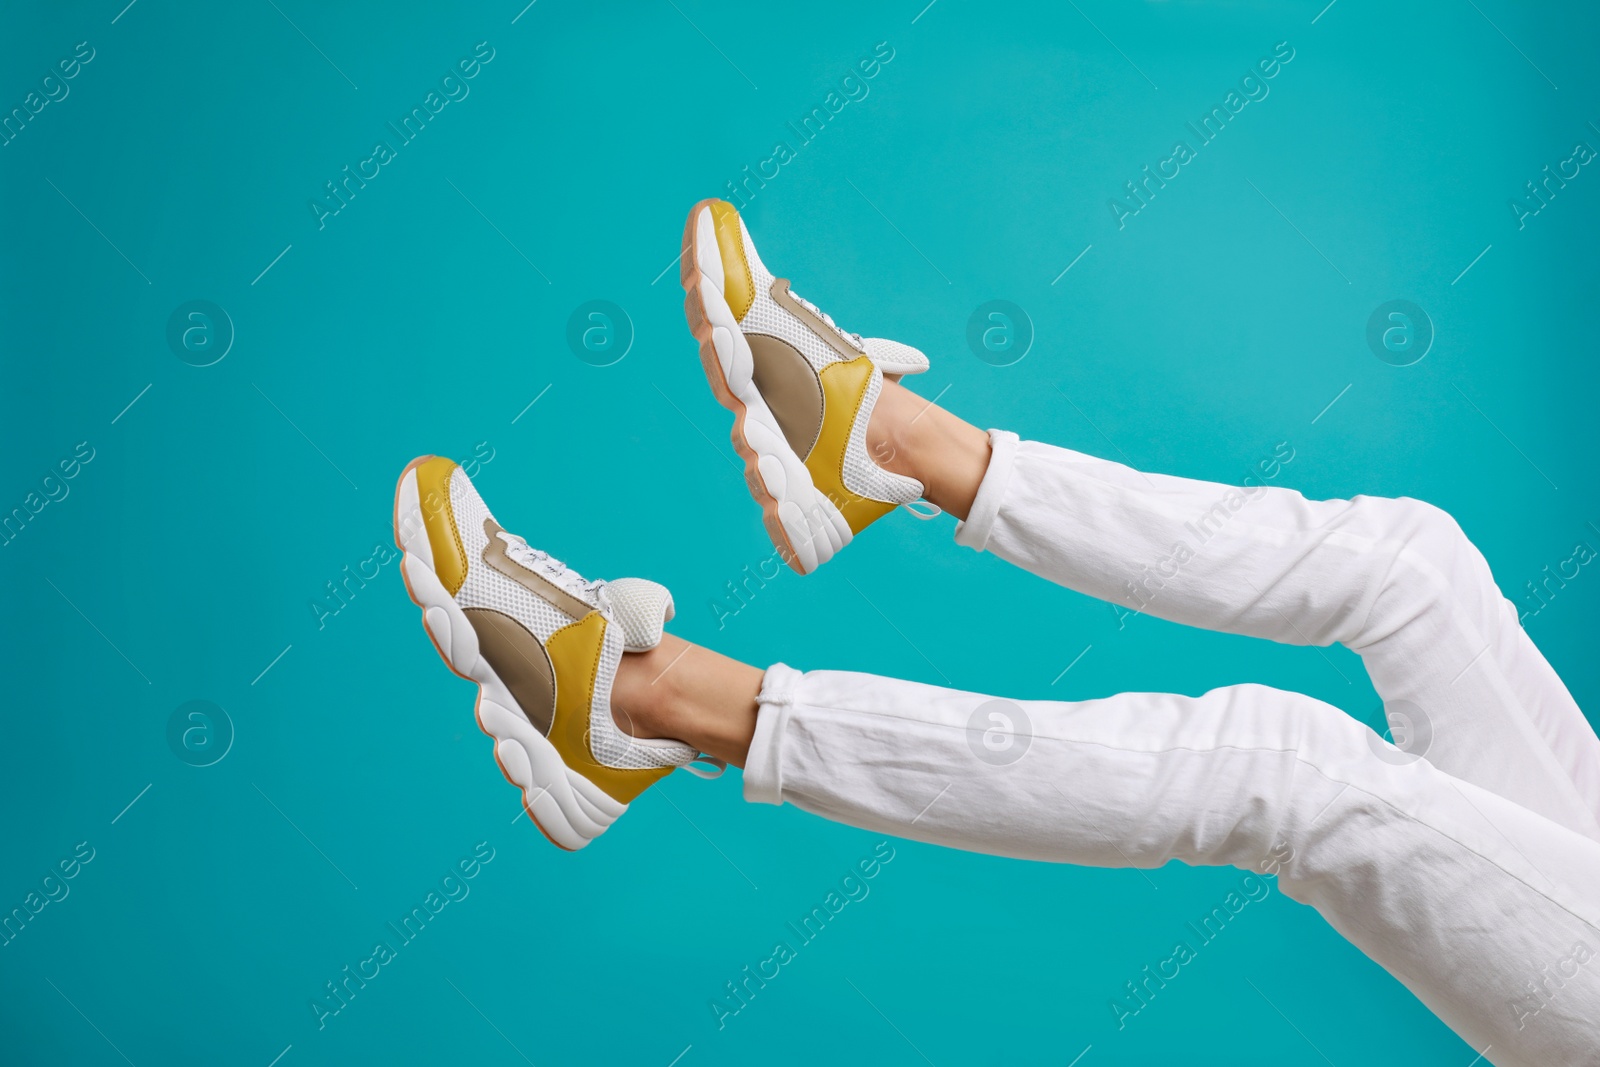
(1253, 87)
(453, 88)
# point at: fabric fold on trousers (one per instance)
(1394, 580)
(1465, 859)
(1465, 897)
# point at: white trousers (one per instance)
(1472, 875)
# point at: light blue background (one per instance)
(189, 550)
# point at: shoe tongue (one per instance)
(892, 357)
(641, 608)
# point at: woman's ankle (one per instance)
(642, 693)
(915, 437)
(688, 693)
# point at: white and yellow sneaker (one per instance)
(800, 388)
(543, 645)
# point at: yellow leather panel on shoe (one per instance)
(574, 651)
(844, 385)
(738, 287)
(433, 494)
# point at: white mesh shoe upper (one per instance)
(634, 610)
(609, 744)
(766, 316)
(861, 475)
(485, 587)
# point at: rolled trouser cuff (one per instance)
(974, 532)
(763, 770)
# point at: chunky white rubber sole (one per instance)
(567, 808)
(802, 522)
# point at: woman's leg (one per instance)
(1485, 910)
(1394, 580)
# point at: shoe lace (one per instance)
(853, 339)
(542, 562)
(716, 766)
